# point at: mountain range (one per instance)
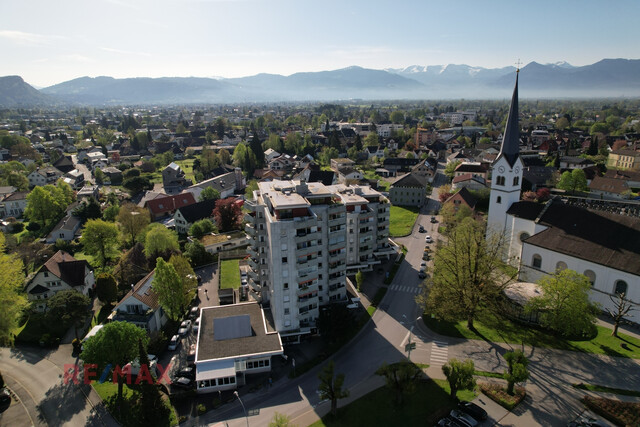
(606, 78)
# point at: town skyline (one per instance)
(231, 39)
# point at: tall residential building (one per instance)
(305, 238)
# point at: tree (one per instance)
(564, 304)
(467, 274)
(280, 420)
(168, 285)
(622, 307)
(459, 375)
(453, 215)
(449, 169)
(517, 371)
(562, 123)
(137, 184)
(397, 117)
(132, 220)
(400, 377)
(359, 279)
(153, 411)
(573, 181)
(99, 176)
(100, 239)
(209, 193)
(372, 139)
(330, 387)
(185, 272)
(200, 228)
(47, 203)
(68, 306)
(88, 209)
(159, 240)
(106, 288)
(12, 297)
(197, 254)
(116, 344)
(228, 214)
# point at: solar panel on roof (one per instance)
(226, 328)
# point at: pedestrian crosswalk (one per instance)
(439, 353)
(410, 289)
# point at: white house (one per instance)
(234, 341)
(60, 272)
(44, 176)
(67, 229)
(14, 204)
(140, 306)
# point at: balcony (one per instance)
(253, 263)
(249, 218)
(253, 274)
(251, 250)
(250, 229)
(251, 205)
(336, 288)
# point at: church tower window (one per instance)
(537, 261)
(516, 180)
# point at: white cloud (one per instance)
(124, 52)
(28, 38)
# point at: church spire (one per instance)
(511, 138)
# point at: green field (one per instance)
(230, 274)
(187, 167)
(424, 406)
(401, 220)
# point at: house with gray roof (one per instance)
(141, 307)
(408, 190)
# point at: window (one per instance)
(499, 199)
(284, 259)
(285, 286)
(516, 180)
(621, 287)
(46, 274)
(286, 311)
(591, 276)
(500, 180)
(524, 236)
(537, 261)
(284, 247)
(561, 266)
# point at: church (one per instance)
(598, 239)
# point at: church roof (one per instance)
(511, 140)
(596, 236)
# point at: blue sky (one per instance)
(48, 42)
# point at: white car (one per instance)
(423, 266)
(196, 324)
(428, 239)
(173, 344)
(185, 327)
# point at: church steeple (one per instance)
(511, 139)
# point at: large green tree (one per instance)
(330, 387)
(564, 304)
(209, 193)
(100, 239)
(116, 344)
(48, 203)
(159, 240)
(12, 298)
(169, 287)
(153, 411)
(467, 275)
(132, 220)
(106, 288)
(200, 228)
(400, 377)
(459, 375)
(573, 181)
(188, 277)
(68, 306)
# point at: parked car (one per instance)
(5, 397)
(183, 382)
(433, 220)
(463, 418)
(421, 229)
(449, 422)
(188, 372)
(428, 239)
(173, 343)
(193, 313)
(185, 327)
(472, 409)
(191, 356)
(423, 266)
(196, 324)
(422, 275)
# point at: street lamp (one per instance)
(243, 408)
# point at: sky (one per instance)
(48, 42)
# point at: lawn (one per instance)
(89, 258)
(492, 329)
(187, 167)
(401, 220)
(37, 328)
(423, 407)
(230, 274)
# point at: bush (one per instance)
(499, 394)
(157, 343)
(619, 413)
(33, 226)
(201, 409)
(17, 227)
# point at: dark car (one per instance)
(433, 220)
(474, 410)
(5, 397)
(188, 372)
(183, 382)
(448, 422)
(421, 229)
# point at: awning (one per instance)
(220, 369)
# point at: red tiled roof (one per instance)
(162, 205)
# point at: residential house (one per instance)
(234, 341)
(572, 162)
(325, 177)
(87, 192)
(67, 229)
(609, 188)
(270, 154)
(339, 163)
(426, 169)
(112, 175)
(474, 168)
(374, 151)
(185, 216)
(60, 272)
(227, 184)
(167, 205)
(140, 306)
(64, 164)
(625, 159)
(461, 198)
(44, 176)
(214, 243)
(468, 181)
(408, 190)
(14, 204)
(174, 178)
(399, 164)
(74, 178)
(282, 162)
(632, 178)
(348, 176)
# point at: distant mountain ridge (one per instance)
(606, 78)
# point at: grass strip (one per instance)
(604, 389)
